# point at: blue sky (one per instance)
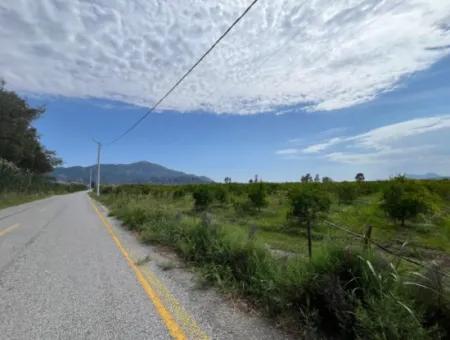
(331, 89)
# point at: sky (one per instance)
(327, 87)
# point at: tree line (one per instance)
(19, 139)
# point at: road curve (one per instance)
(62, 276)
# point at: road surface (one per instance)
(62, 276)
(69, 272)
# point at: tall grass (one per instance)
(343, 293)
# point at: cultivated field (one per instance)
(380, 250)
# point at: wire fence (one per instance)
(367, 241)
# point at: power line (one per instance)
(146, 114)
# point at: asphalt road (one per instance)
(63, 277)
(67, 271)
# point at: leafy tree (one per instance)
(360, 177)
(257, 195)
(202, 197)
(306, 179)
(227, 180)
(307, 206)
(326, 179)
(347, 192)
(317, 178)
(19, 141)
(404, 199)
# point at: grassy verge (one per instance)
(345, 292)
(12, 198)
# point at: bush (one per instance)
(405, 199)
(257, 195)
(202, 197)
(308, 203)
(346, 192)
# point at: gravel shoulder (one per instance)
(202, 311)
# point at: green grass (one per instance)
(344, 292)
(12, 199)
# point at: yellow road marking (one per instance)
(175, 307)
(174, 329)
(9, 229)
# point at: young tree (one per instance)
(307, 206)
(202, 197)
(360, 177)
(404, 199)
(257, 195)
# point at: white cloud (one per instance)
(394, 142)
(322, 146)
(287, 152)
(323, 54)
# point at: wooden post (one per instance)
(309, 240)
(367, 235)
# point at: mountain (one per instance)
(134, 173)
(429, 175)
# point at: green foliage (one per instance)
(19, 140)
(405, 199)
(342, 293)
(19, 186)
(257, 195)
(360, 177)
(347, 192)
(308, 203)
(203, 197)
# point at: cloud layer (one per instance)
(322, 54)
(416, 140)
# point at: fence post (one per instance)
(309, 240)
(367, 235)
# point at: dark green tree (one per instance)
(306, 179)
(19, 140)
(326, 179)
(405, 199)
(257, 195)
(307, 206)
(360, 177)
(203, 197)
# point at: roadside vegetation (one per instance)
(24, 161)
(301, 252)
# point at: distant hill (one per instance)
(134, 173)
(429, 175)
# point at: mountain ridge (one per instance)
(141, 172)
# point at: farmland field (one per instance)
(252, 239)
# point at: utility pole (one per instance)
(90, 178)
(99, 147)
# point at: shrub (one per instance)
(346, 192)
(405, 199)
(308, 203)
(202, 197)
(257, 195)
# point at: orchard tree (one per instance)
(257, 195)
(307, 206)
(405, 199)
(203, 197)
(360, 177)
